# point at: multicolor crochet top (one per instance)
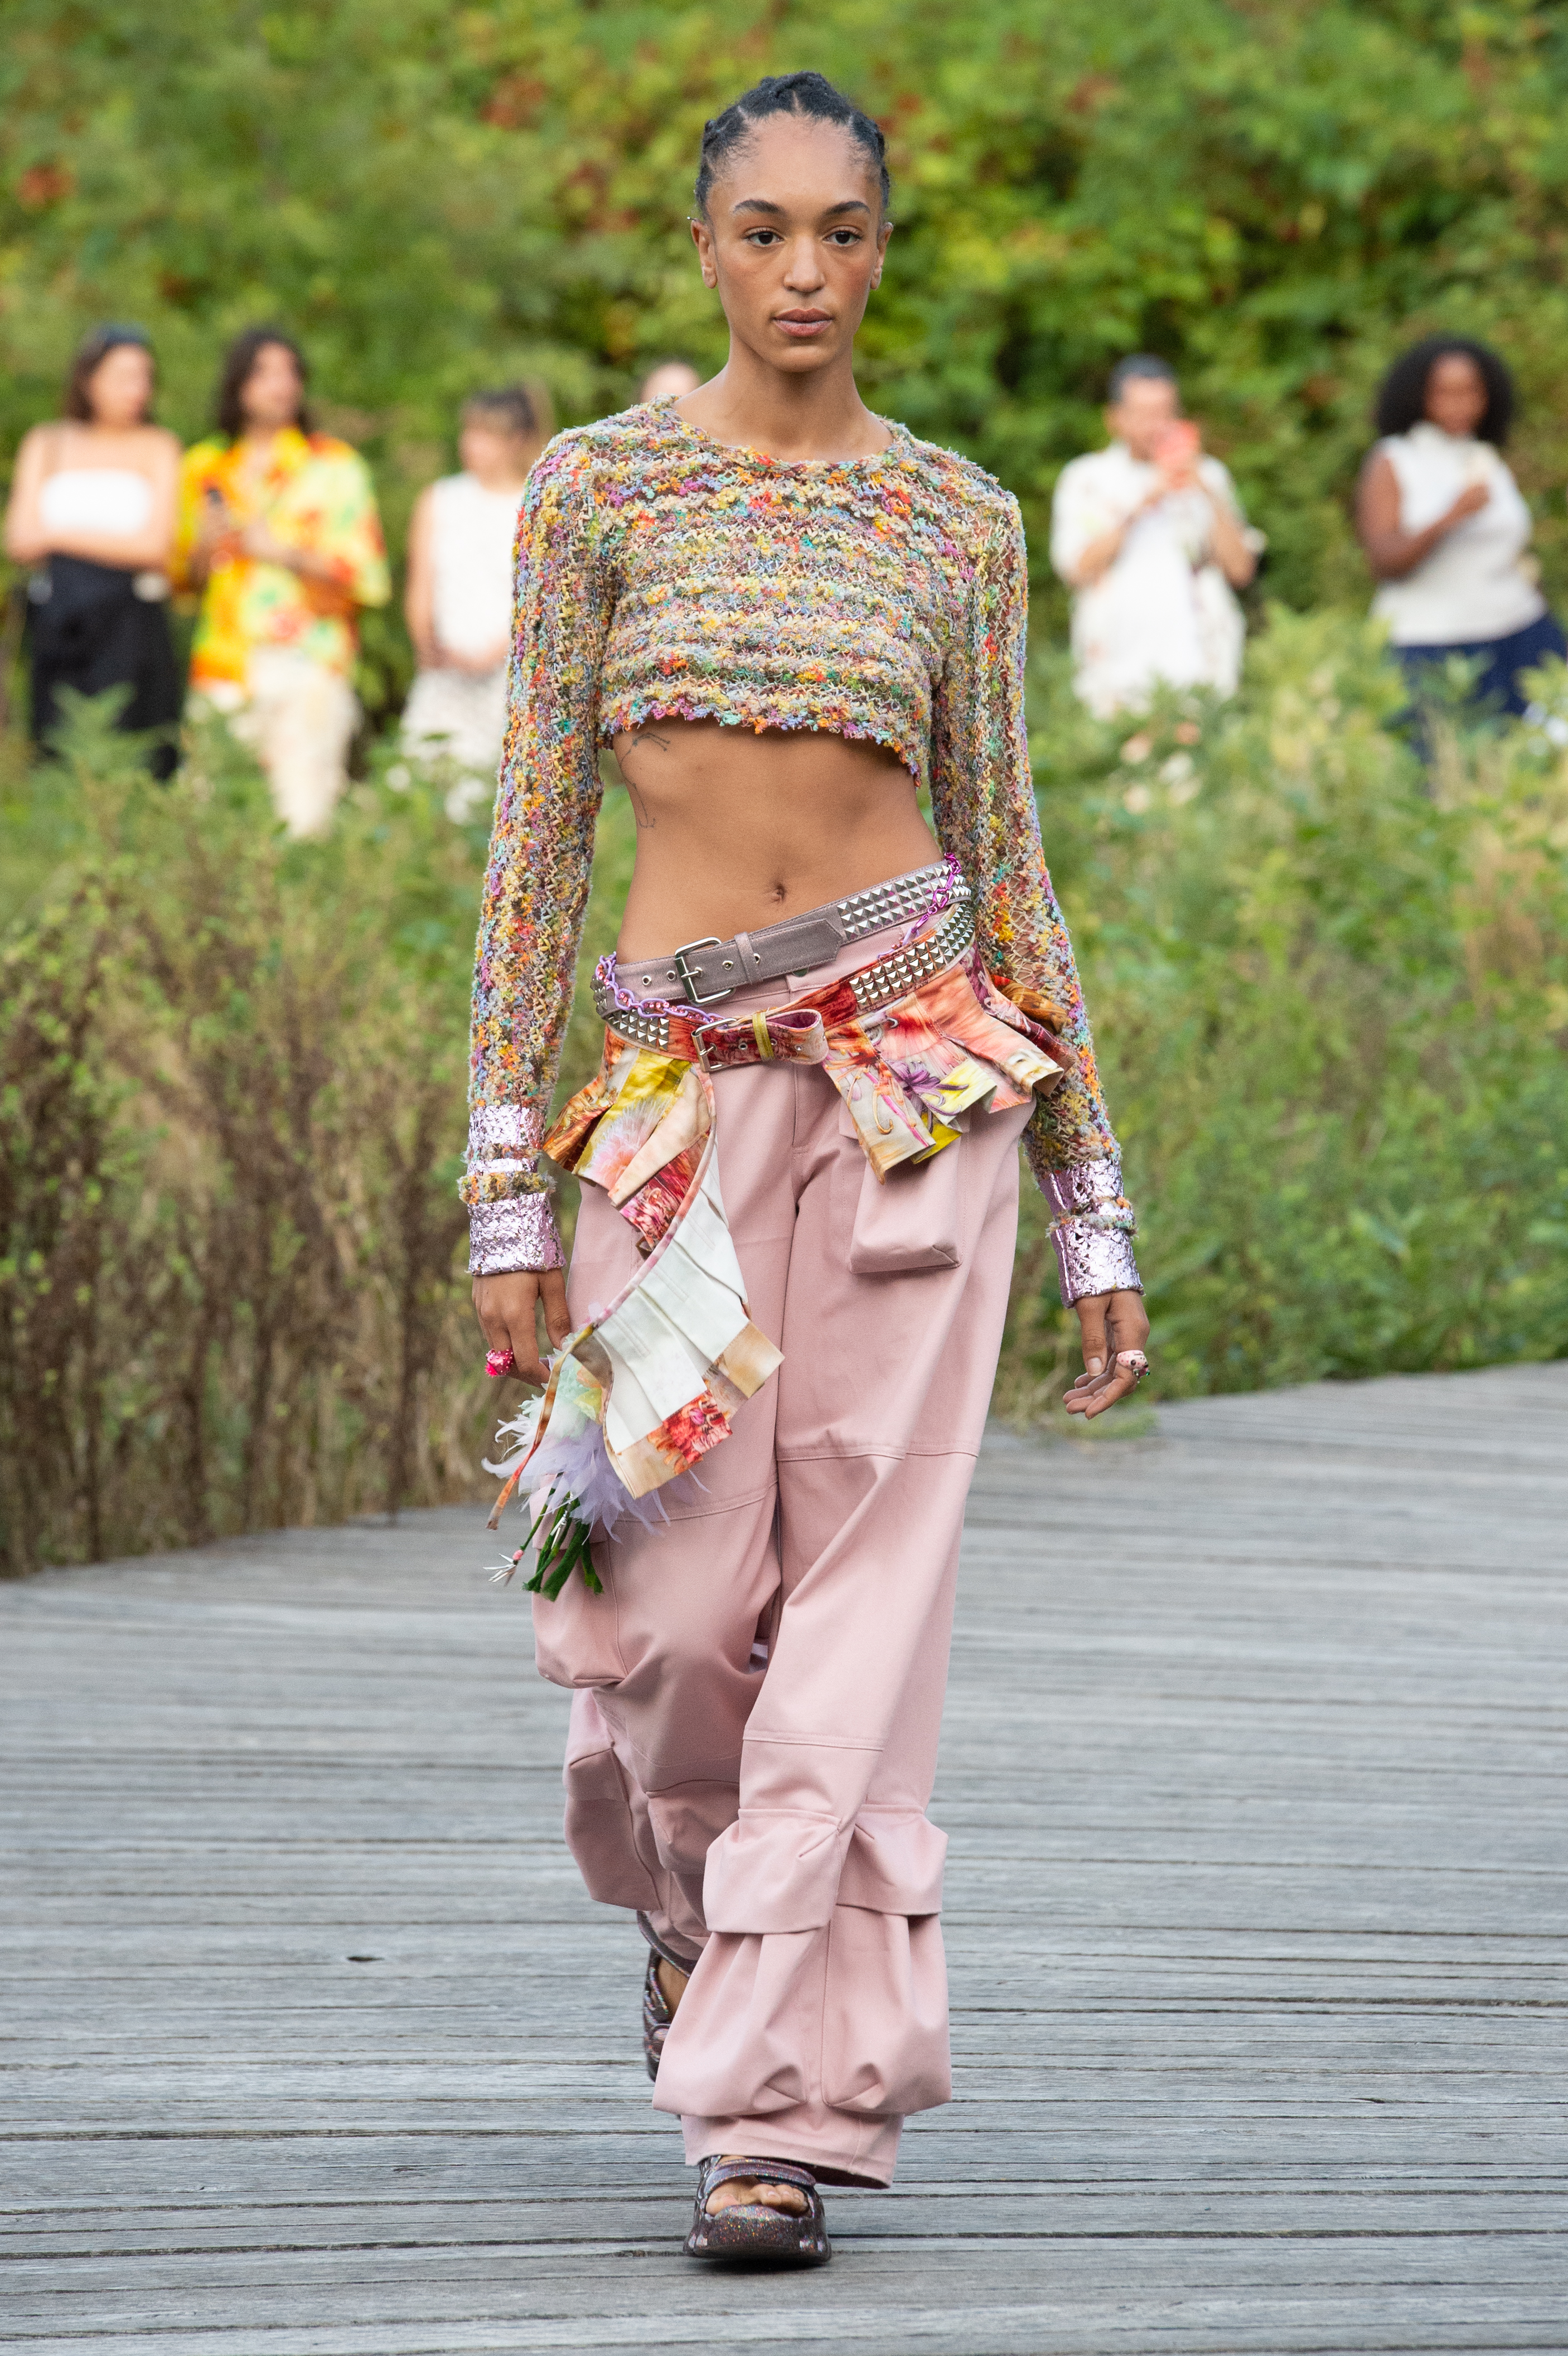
(662, 574)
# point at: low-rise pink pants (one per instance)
(759, 1687)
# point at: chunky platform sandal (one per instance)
(750, 2234)
(656, 2014)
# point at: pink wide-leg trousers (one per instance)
(759, 1687)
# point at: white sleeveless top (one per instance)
(471, 541)
(1474, 587)
(112, 499)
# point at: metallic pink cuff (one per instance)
(515, 1235)
(1093, 1228)
(1094, 1260)
(512, 1129)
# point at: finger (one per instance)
(529, 1366)
(557, 1316)
(491, 1325)
(1091, 1323)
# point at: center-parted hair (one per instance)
(810, 96)
(238, 362)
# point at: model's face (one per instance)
(120, 389)
(1147, 408)
(1455, 393)
(270, 396)
(491, 453)
(793, 240)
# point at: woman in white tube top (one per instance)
(458, 601)
(93, 509)
(1446, 527)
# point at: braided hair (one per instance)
(810, 96)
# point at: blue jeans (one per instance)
(1502, 660)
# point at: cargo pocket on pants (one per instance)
(908, 1221)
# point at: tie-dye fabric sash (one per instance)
(644, 1389)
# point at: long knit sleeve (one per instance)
(982, 798)
(536, 884)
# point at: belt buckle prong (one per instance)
(699, 997)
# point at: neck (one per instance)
(755, 406)
(262, 437)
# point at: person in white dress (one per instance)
(91, 512)
(1446, 527)
(1149, 535)
(459, 599)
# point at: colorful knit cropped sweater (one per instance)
(661, 574)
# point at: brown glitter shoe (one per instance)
(656, 2016)
(751, 2233)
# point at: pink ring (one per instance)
(498, 1363)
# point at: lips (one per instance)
(802, 324)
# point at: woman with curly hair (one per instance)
(825, 1035)
(1446, 527)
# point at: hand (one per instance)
(505, 1307)
(481, 666)
(258, 540)
(1110, 1323)
(1469, 502)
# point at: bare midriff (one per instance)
(736, 830)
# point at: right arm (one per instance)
(26, 540)
(1391, 551)
(535, 896)
(1084, 545)
(419, 595)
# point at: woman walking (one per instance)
(278, 530)
(93, 509)
(1446, 527)
(458, 598)
(824, 1044)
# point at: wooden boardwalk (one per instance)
(1257, 1776)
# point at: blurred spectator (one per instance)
(1149, 535)
(93, 506)
(458, 600)
(278, 528)
(669, 381)
(1446, 527)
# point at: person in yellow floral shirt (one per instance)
(279, 532)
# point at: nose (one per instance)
(803, 268)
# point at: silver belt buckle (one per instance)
(700, 997)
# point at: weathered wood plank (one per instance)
(1255, 1764)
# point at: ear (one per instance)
(883, 234)
(703, 238)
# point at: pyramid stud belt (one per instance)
(703, 971)
(875, 985)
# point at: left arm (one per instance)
(982, 797)
(1232, 552)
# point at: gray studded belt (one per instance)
(702, 972)
(877, 984)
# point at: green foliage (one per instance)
(1274, 196)
(1332, 1006)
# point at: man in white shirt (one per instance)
(1149, 535)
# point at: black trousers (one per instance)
(91, 631)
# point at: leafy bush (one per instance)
(1330, 993)
(1331, 998)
